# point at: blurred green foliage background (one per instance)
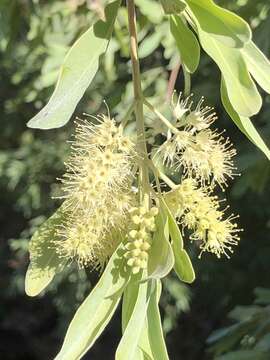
(34, 37)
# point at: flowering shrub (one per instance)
(114, 217)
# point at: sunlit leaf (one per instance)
(183, 265)
(149, 44)
(155, 334)
(77, 72)
(222, 24)
(186, 42)
(44, 261)
(128, 346)
(258, 65)
(161, 259)
(242, 91)
(97, 309)
(173, 6)
(243, 123)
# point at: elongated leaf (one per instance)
(128, 346)
(173, 6)
(96, 311)
(222, 24)
(161, 259)
(149, 45)
(186, 42)
(242, 91)
(183, 265)
(151, 9)
(258, 65)
(143, 350)
(155, 334)
(243, 123)
(77, 72)
(44, 261)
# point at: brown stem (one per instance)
(172, 81)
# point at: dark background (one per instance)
(34, 37)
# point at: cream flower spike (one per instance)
(195, 149)
(97, 192)
(199, 211)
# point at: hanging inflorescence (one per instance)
(103, 210)
(97, 192)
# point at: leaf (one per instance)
(149, 44)
(161, 259)
(223, 25)
(97, 309)
(128, 346)
(44, 261)
(129, 300)
(77, 72)
(183, 265)
(151, 9)
(242, 91)
(155, 334)
(243, 123)
(258, 65)
(186, 42)
(173, 6)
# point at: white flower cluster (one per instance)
(194, 148)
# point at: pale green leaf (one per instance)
(183, 265)
(242, 91)
(97, 309)
(186, 42)
(223, 25)
(243, 123)
(149, 44)
(78, 70)
(129, 300)
(155, 334)
(258, 65)
(151, 9)
(173, 6)
(44, 261)
(128, 346)
(161, 259)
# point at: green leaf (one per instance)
(155, 334)
(223, 25)
(44, 261)
(242, 91)
(183, 265)
(128, 346)
(97, 310)
(151, 9)
(143, 350)
(186, 42)
(243, 123)
(149, 44)
(161, 259)
(77, 72)
(173, 6)
(258, 65)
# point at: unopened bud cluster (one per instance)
(139, 237)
